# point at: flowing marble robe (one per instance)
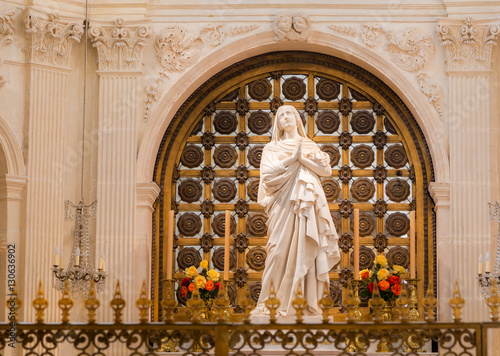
(303, 242)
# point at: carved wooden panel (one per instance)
(218, 169)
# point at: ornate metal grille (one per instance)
(217, 167)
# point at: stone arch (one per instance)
(11, 150)
(318, 42)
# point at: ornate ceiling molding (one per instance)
(177, 48)
(292, 27)
(6, 33)
(119, 48)
(468, 45)
(412, 50)
(49, 39)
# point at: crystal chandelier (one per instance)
(80, 271)
(485, 277)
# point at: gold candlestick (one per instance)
(168, 302)
(413, 315)
(357, 312)
(222, 304)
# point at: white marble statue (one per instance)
(302, 244)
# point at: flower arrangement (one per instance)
(205, 280)
(387, 279)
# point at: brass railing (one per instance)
(223, 336)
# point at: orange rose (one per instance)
(191, 287)
(396, 289)
(384, 285)
(184, 292)
(209, 285)
(364, 274)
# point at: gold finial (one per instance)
(13, 301)
(493, 301)
(326, 303)
(168, 302)
(40, 303)
(195, 304)
(65, 303)
(377, 303)
(118, 303)
(403, 303)
(457, 303)
(299, 303)
(143, 303)
(413, 315)
(430, 303)
(92, 303)
(350, 304)
(222, 302)
(247, 304)
(272, 303)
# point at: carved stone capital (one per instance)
(50, 39)
(6, 33)
(146, 194)
(119, 48)
(6, 27)
(440, 193)
(468, 44)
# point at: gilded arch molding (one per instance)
(225, 81)
(319, 42)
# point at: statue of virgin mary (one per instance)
(302, 245)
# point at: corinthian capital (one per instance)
(50, 39)
(119, 48)
(468, 44)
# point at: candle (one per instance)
(480, 265)
(487, 265)
(412, 245)
(356, 243)
(56, 256)
(101, 261)
(61, 258)
(227, 225)
(77, 257)
(170, 243)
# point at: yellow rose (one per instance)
(213, 275)
(191, 272)
(399, 269)
(204, 264)
(200, 281)
(382, 274)
(381, 260)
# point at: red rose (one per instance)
(184, 292)
(393, 279)
(217, 285)
(370, 287)
(185, 282)
(396, 289)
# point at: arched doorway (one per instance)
(209, 162)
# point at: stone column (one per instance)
(146, 197)
(468, 49)
(119, 51)
(48, 50)
(440, 193)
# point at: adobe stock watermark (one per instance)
(11, 294)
